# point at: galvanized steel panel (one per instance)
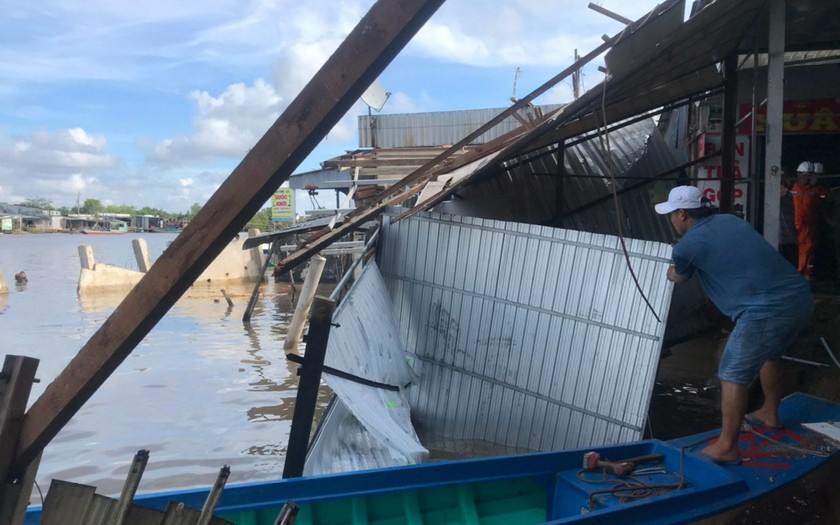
(375, 430)
(408, 130)
(526, 336)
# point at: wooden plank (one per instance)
(15, 496)
(369, 48)
(67, 503)
(16, 380)
(310, 380)
(100, 510)
(138, 515)
(15, 385)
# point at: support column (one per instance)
(310, 380)
(773, 128)
(141, 254)
(728, 145)
(561, 180)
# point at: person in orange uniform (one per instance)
(807, 195)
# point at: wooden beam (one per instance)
(15, 385)
(310, 380)
(370, 47)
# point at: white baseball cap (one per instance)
(805, 167)
(819, 168)
(680, 198)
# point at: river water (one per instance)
(202, 390)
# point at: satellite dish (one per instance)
(375, 95)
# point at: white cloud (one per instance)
(227, 69)
(225, 126)
(52, 165)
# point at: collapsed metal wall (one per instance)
(526, 336)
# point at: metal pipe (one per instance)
(213, 497)
(138, 466)
(346, 277)
(830, 353)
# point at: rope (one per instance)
(628, 488)
(808, 451)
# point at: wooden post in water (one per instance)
(307, 294)
(310, 380)
(15, 486)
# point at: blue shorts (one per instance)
(753, 342)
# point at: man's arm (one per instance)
(674, 277)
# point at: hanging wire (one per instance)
(604, 137)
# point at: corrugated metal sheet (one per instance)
(796, 57)
(528, 193)
(318, 177)
(377, 432)
(526, 336)
(410, 130)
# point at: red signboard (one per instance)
(798, 117)
(710, 172)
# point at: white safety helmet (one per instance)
(818, 167)
(805, 167)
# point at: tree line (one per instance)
(261, 221)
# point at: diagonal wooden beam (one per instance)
(375, 41)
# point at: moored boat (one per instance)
(103, 232)
(651, 481)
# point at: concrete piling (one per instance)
(141, 254)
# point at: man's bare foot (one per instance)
(763, 419)
(721, 455)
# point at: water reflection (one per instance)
(199, 391)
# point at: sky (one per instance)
(154, 103)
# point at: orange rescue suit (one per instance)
(806, 206)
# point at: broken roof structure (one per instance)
(658, 61)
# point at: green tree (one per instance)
(261, 221)
(38, 202)
(92, 206)
(122, 208)
(194, 209)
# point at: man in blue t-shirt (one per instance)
(749, 281)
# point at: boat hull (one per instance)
(552, 487)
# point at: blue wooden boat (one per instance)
(670, 484)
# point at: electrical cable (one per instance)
(605, 145)
(629, 488)
(40, 494)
